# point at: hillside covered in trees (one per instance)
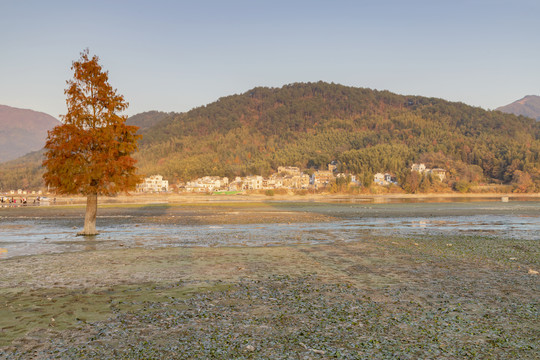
(146, 119)
(365, 131)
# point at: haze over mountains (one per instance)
(528, 106)
(22, 131)
(311, 124)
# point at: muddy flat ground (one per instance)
(384, 297)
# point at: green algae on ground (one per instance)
(427, 297)
(26, 310)
(284, 317)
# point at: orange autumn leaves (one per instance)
(90, 153)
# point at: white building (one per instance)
(154, 183)
(418, 168)
(253, 182)
(207, 184)
(273, 182)
(438, 172)
(297, 181)
(422, 169)
(383, 179)
(322, 178)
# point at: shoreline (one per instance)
(174, 198)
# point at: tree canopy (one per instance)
(90, 153)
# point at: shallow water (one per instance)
(29, 235)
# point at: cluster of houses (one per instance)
(287, 177)
(153, 184)
(436, 172)
(384, 179)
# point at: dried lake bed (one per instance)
(273, 280)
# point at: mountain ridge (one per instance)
(22, 131)
(527, 106)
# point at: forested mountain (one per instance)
(23, 173)
(22, 131)
(146, 119)
(365, 131)
(528, 106)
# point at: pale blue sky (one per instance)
(177, 55)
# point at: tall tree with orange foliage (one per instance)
(90, 153)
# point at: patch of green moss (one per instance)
(24, 310)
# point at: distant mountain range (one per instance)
(528, 106)
(22, 131)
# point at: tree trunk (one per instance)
(90, 217)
